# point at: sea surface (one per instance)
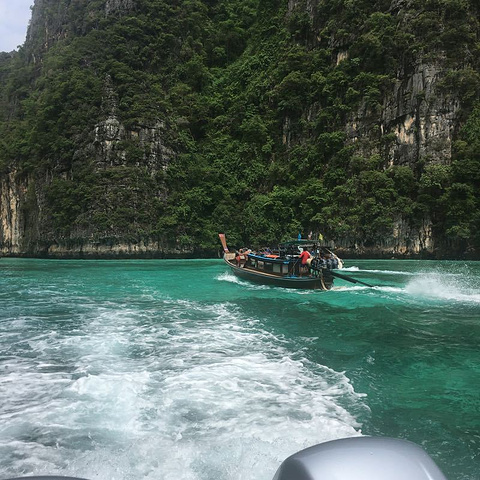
(176, 370)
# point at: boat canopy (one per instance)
(267, 259)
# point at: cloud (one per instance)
(14, 18)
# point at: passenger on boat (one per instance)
(322, 262)
(266, 252)
(331, 261)
(241, 258)
(304, 256)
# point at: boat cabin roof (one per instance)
(268, 259)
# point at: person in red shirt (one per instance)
(304, 256)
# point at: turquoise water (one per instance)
(177, 370)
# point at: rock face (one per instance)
(26, 225)
(406, 241)
(110, 133)
(54, 20)
(422, 123)
(114, 6)
(12, 194)
(422, 120)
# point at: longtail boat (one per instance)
(283, 267)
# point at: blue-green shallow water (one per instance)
(177, 370)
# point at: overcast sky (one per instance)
(14, 18)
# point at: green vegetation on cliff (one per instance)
(272, 119)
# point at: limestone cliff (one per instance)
(414, 122)
(54, 20)
(12, 195)
(421, 123)
(422, 119)
(106, 147)
(137, 128)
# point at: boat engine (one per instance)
(360, 458)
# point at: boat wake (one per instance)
(178, 390)
(345, 288)
(386, 272)
(231, 278)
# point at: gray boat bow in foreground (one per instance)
(360, 458)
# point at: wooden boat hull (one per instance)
(322, 282)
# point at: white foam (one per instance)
(388, 289)
(441, 287)
(231, 278)
(182, 391)
(346, 288)
(386, 272)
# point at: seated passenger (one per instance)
(241, 258)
